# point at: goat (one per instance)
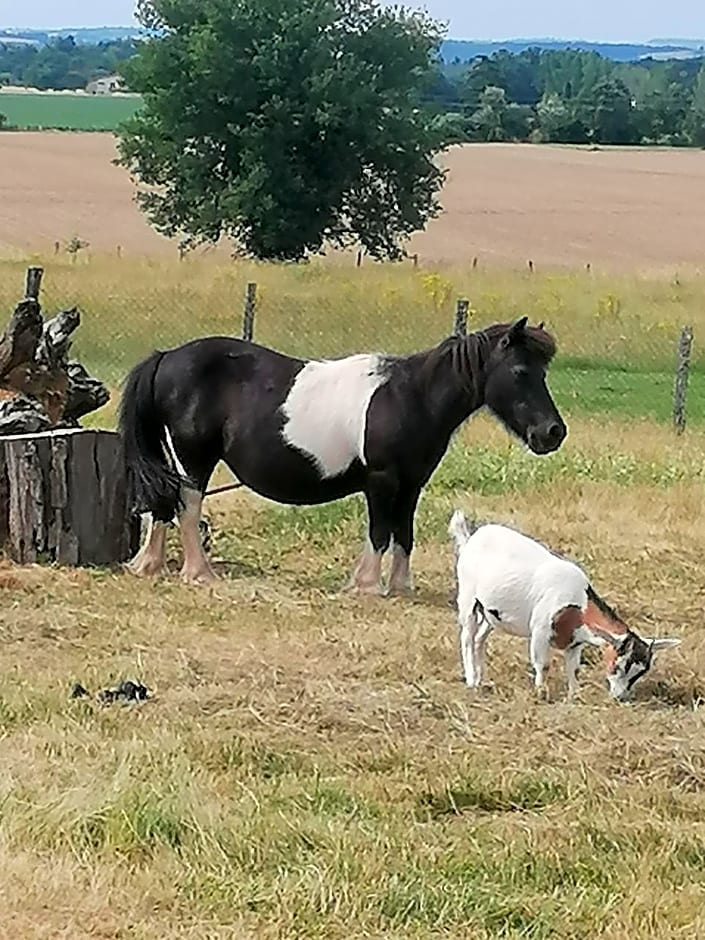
(512, 582)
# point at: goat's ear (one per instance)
(541, 325)
(662, 643)
(515, 333)
(616, 641)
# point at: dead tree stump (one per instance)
(64, 498)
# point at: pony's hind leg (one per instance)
(195, 463)
(150, 560)
(196, 568)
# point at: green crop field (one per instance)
(29, 111)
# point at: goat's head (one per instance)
(629, 659)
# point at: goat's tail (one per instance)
(461, 529)
(155, 485)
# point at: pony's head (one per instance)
(515, 385)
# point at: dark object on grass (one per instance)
(127, 691)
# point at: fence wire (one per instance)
(627, 349)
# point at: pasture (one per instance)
(27, 111)
(311, 764)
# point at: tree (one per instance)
(559, 122)
(3, 121)
(285, 126)
(610, 113)
(696, 119)
(488, 121)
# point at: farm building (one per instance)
(105, 86)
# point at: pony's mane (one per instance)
(537, 341)
(469, 354)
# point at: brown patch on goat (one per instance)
(599, 616)
(565, 623)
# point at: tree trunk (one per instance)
(64, 498)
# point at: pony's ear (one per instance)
(541, 325)
(515, 332)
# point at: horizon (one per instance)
(450, 37)
(603, 21)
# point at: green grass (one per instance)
(597, 388)
(32, 111)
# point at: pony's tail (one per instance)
(155, 486)
(461, 529)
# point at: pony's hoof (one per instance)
(366, 590)
(141, 570)
(400, 590)
(201, 578)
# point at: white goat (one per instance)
(509, 581)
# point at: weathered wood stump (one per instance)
(64, 498)
(42, 387)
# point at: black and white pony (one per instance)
(308, 432)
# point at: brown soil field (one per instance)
(619, 209)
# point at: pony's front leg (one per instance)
(367, 578)
(196, 568)
(403, 535)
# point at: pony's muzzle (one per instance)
(547, 437)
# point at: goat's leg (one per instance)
(572, 664)
(540, 653)
(468, 632)
(480, 649)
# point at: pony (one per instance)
(305, 432)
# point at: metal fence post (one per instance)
(680, 394)
(248, 322)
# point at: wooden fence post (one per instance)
(461, 317)
(685, 346)
(358, 260)
(248, 322)
(33, 283)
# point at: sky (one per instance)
(605, 20)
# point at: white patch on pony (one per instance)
(172, 453)
(326, 410)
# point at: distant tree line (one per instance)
(62, 64)
(570, 96)
(541, 95)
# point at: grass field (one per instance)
(621, 210)
(617, 335)
(311, 765)
(51, 111)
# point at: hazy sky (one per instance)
(502, 19)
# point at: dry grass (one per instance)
(620, 209)
(311, 765)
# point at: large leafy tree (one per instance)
(285, 125)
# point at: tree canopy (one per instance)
(285, 126)
(62, 63)
(572, 96)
